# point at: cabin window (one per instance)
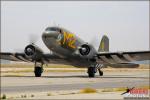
(53, 29)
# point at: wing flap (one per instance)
(122, 57)
(15, 57)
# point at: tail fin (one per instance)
(104, 44)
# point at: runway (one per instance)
(41, 88)
(72, 81)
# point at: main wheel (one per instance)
(38, 71)
(100, 72)
(91, 71)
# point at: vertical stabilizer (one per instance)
(104, 44)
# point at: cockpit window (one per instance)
(53, 29)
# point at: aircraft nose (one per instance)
(50, 34)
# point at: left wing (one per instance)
(122, 57)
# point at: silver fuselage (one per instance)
(65, 44)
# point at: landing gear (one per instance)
(100, 72)
(38, 70)
(91, 71)
(99, 66)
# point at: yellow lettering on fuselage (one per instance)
(69, 40)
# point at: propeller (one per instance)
(33, 38)
(95, 42)
(18, 50)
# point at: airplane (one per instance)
(69, 49)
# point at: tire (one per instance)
(38, 71)
(91, 71)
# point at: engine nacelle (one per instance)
(84, 49)
(32, 51)
(87, 50)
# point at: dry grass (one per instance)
(145, 87)
(107, 90)
(142, 66)
(3, 97)
(24, 96)
(88, 90)
(17, 65)
(32, 95)
(31, 70)
(49, 94)
(57, 70)
(18, 71)
(113, 89)
(13, 75)
(121, 89)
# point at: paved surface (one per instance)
(72, 81)
(73, 86)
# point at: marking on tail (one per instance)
(104, 44)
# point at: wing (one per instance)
(122, 57)
(14, 57)
(46, 58)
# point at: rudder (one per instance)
(104, 44)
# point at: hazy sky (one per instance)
(125, 22)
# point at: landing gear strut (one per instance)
(99, 66)
(38, 69)
(100, 72)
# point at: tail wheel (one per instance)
(91, 71)
(38, 71)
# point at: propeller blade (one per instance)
(95, 42)
(33, 38)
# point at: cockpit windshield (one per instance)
(53, 29)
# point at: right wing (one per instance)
(14, 57)
(46, 58)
